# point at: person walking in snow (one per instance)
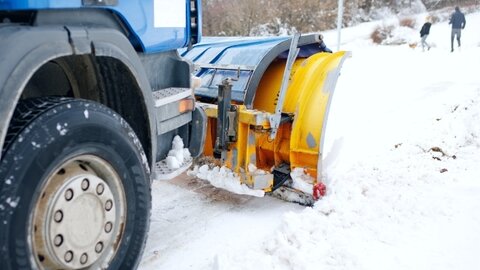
(424, 32)
(457, 20)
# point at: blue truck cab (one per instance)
(92, 93)
(153, 25)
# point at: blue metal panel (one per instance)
(228, 51)
(39, 4)
(223, 50)
(215, 53)
(140, 16)
(143, 17)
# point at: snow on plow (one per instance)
(266, 102)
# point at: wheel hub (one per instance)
(79, 219)
(81, 214)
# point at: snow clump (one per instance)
(302, 181)
(177, 155)
(224, 178)
(12, 202)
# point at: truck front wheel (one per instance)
(76, 188)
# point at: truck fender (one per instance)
(25, 49)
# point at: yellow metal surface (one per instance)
(297, 143)
(311, 86)
(252, 124)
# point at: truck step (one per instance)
(168, 95)
(163, 172)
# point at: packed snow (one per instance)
(224, 178)
(178, 154)
(301, 180)
(401, 170)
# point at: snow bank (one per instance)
(403, 177)
(408, 207)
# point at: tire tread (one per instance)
(26, 111)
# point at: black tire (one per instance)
(48, 133)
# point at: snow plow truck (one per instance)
(92, 94)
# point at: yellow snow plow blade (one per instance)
(308, 98)
(299, 138)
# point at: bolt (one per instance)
(84, 258)
(85, 184)
(100, 189)
(108, 205)
(108, 227)
(58, 216)
(99, 247)
(68, 256)
(68, 194)
(58, 241)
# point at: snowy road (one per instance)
(192, 222)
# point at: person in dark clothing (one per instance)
(322, 46)
(457, 20)
(424, 32)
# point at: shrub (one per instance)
(435, 18)
(408, 22)
(381, 33)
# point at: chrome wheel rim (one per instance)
(79, 218)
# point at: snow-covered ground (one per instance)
(402, 172)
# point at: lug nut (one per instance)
(58, 217)
(85, 184)
(58, 240)
(108, 227)
(84, 258)
(99, 247)
(100, 189)
(68, 194)
(108, 205)
(68, 256)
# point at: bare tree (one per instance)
(254, 17)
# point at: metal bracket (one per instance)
(226, 120)
(216, 67)
(99, 2)
(232, 116)
(292, 55)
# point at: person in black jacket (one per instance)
(424, 32)
(457, 20)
